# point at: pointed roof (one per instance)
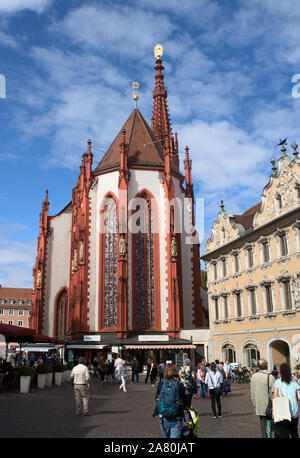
(143, 148)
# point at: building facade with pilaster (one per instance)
(253, 268)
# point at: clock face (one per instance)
(158, 51)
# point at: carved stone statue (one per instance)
(122, 246)
(81, 251)
(74, 260)
(174, 250)
(39, 278)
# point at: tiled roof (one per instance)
(16, 293)
(246, 219)
(143, 148)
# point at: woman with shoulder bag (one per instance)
(213, 380)
(286, 386)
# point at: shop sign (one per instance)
(154, 338)
(93, 338)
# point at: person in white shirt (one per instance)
(213, 380)
(118, 365)
(81, 379)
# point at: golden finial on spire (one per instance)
(135, 85)
(158, 51)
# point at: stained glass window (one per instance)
(110, 264)
(145, 314)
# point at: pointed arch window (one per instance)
(62, 314)
(144, 257)
(110, 262)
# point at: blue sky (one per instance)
(68, 66)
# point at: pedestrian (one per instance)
(286, 386)
(101, 369)
(81, 380)
(161, 370)
(95, 366)
(188, 379)
(118, 365)
(135, 369)
(213, 380)
(262, 387)
(170, 403)
(108, 371)
(153, 373)
(227, 379)
(149, 365)
(202, 371)
(123, 375)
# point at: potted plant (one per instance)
(58, 373)
(42, 370)
(25, 373)
(49, 375)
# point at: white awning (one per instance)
(85, 347)
(158, 347)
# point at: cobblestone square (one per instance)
(50, 413)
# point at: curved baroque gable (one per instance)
(224, 230)
(280, 195)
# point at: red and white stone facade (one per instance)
(116, 258)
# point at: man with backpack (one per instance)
(170, 403)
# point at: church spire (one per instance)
(161, 126)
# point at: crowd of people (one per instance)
(10, 365)
(177, 387)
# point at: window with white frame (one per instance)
(250, 257)
(216, 307)
(1, 312)
(215, 270)
(20, 301)
(20, 323)
(283, 244)
(226, 306)
(252, 300)
(224, 267)
(21, 312)
(11, 312)
(286, 295)
(10, 322)
(11, 301)
(269, 298)
(236, 262)
(265, 251)
(238, 303)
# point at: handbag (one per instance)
(281, 408)
(269, 409)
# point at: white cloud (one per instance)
(116, 29)
(13, 6)
(7, 40)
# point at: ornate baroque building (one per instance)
(254, 274)
(118, 261)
